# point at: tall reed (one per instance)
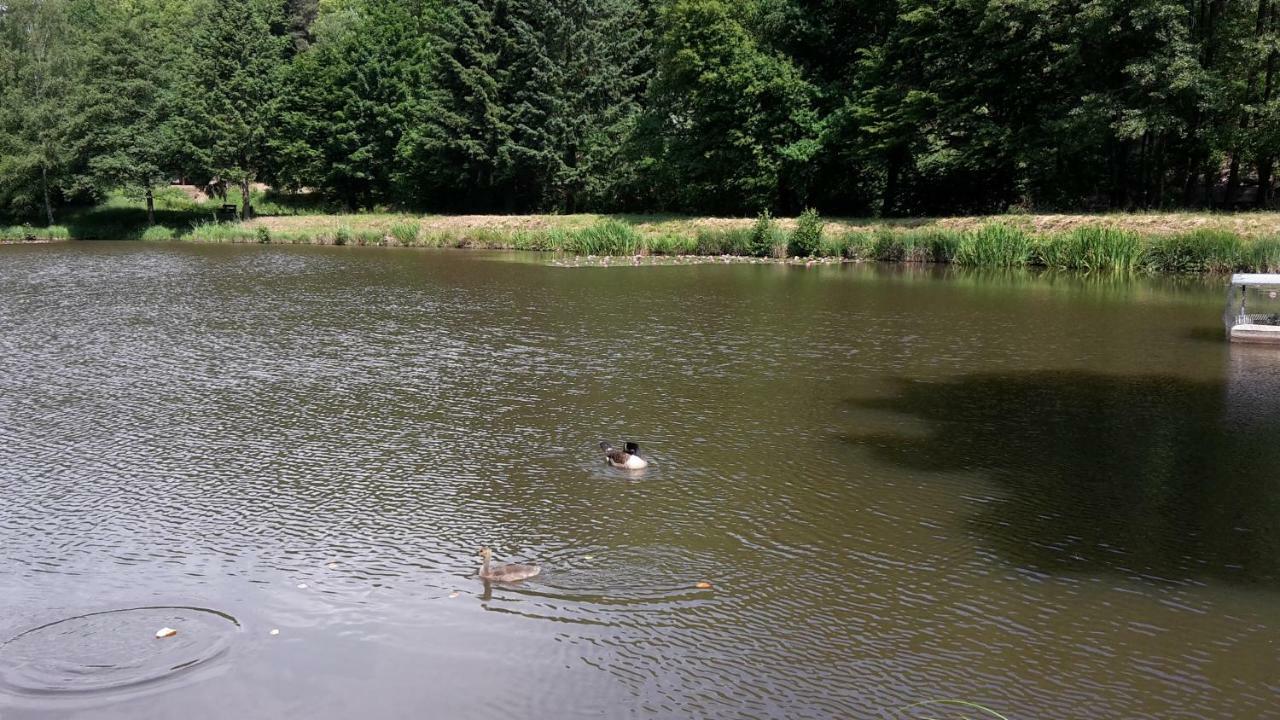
(996, 245)
(1099, 249)
(605, 237)
(1198, 251)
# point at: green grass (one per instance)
(1263, 255)
(1092, 249)
(158, 233)
(1198, 251)
(27, 233)
(996, 245)
(1118, 243)
(671, 244)
(606, 237)
(406, 233)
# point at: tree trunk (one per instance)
(1233, 181)
(893, 175)
(151, 206)
(245, 208)
(48, 204)
(1264, 182)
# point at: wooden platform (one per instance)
(1261, 334)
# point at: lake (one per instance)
(1051, 495)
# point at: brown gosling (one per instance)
(504, 573)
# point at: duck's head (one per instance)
(633, 448)
(486, 553)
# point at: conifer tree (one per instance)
(230, 88)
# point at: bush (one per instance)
(342, 236)
(997, 245)
(765, 236)
(264, 234)
(807, 237)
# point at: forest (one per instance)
(870, 108)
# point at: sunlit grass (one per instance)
(1108, 243)
(996, 245)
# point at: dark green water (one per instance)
(1055, 496)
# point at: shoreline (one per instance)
(1159, 243)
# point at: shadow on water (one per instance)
(1154, 476)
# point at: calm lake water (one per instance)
(1054, 496)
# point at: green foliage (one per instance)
(672, 245)
(852, 245)
(40, 55)
(405, 233)
(709, 106)
(342, 236)
(996, 245)
(349, 99)
(528, 104)
(215, 232)
(765, 236)
(606, 237)
(1264, 255)
(807, 237)
(729, 122)
(368, 236)
(27, 233)
(1092, 249)
(228, 86)
(1195, 252)
(157, 233)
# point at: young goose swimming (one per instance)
(504, 573)
(628, 458)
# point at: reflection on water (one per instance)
(1047, 495)
(1146, 476)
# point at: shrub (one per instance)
(342, 235)
(264, 234)
(765, 236)
(807, 236)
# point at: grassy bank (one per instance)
(1152, 242)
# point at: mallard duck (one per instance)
(504, 573)
(628, 458)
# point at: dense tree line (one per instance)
(891, 107)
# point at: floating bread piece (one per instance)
(165, 632)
